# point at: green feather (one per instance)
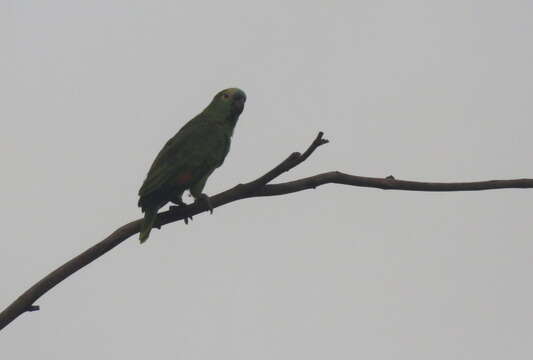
(149, 217)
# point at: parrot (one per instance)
(190, 157)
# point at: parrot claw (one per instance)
(178, 201)
(174, 208)
(207, 200)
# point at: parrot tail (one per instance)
(149, 217)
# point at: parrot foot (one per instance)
(207, 201)
(178, 201)
(177, 207)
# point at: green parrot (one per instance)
(190, 157)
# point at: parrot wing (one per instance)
(188, 156)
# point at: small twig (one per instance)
(314, 145)
(289, 163)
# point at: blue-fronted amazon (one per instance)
(187, 160)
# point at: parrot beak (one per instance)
(238, 102)
(239, 97)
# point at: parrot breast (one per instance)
(184, 178)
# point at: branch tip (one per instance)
(320, 140)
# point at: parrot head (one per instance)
(230, 101)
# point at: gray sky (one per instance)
(423, 90)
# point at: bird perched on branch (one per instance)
(189, 158)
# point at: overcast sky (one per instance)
(422, 90)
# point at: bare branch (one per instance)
(388, 183)
(256, 188)
(291, 162)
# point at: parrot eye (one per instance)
(225, 96)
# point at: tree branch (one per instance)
(256, 188)
(388, 183)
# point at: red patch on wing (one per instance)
(184, 178)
